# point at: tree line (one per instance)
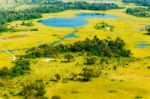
(141, 12)
(138, 2)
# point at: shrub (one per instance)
(27, 24)
(56, 97)
(90, 61)
(3, 28)
(148, 30)
(148, 67)
(114, 67)
(69, 57)
(138, 97)
(87, 74)
(58, 77)
(104, 60)
(112, 91)
(4, 72)
(35, 89)
(34, 29)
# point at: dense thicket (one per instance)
(141, 12)
(106, 47)
(139, 2)
(36, 12)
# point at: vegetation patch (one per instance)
(104, 26)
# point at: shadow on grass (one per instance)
(147, 34)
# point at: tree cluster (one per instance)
(95, 46)
(141, 12)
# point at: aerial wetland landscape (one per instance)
(75, 49)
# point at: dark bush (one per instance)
(69, 57)
(3, 28)
(35, 89)
(56, 97)
(34, 29)
(138, 97)
(88, 74)
(4, 72)
(27, 24)
(90, 61)
(148, 29)
(58, 77)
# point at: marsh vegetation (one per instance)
(107, 57)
